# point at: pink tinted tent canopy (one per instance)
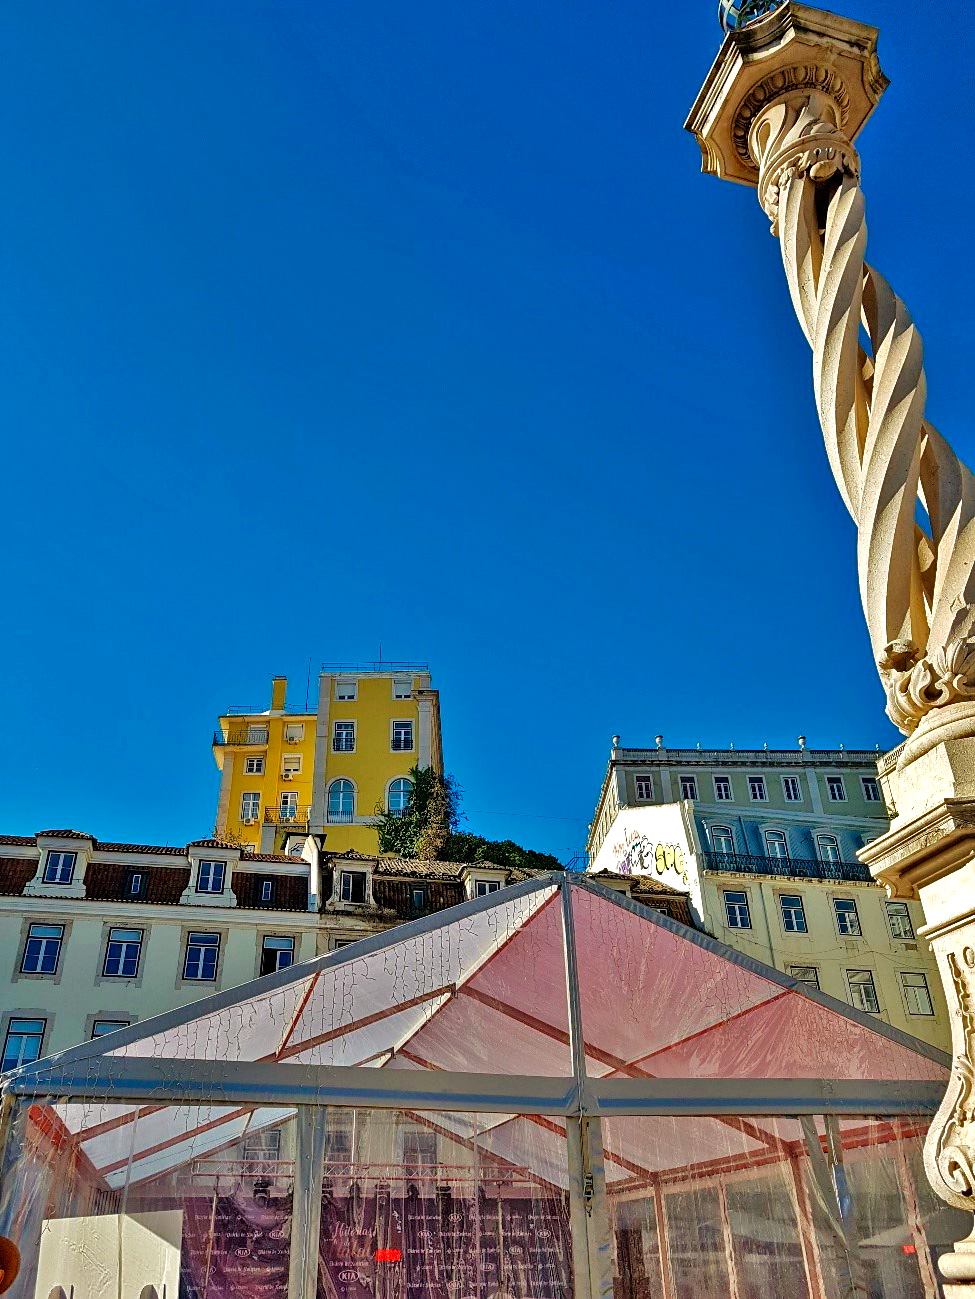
(599, 1051)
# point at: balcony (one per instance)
(798, 868)
(295, 818)
(241, 735)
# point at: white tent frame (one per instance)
(90, 1072)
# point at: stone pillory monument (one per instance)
(781, 109)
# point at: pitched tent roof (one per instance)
(553, 997)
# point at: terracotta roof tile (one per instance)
(19, 840)
(156, 850)
(65, 834)
(107, 882)
(14, 874)
(288, 892)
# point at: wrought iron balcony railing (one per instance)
(287, 815)
(791, 868)
(243, 735)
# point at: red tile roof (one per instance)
(14, 874)
(65, 834)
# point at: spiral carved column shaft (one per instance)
(917, 573)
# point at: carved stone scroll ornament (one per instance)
(916, 570)
(949, 1151)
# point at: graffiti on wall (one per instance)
(638, 855)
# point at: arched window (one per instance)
(775, 844)
(400, 793)
(829, 849)
(722, 840)
(341, 802)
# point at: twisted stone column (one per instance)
(917, 574)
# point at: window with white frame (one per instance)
(756, 789)
(400, 793)
(775, 844)
(277, 953)
(291, 764)
(250, 807)
(806, 974)
(345, 689)
(122, 953)
(288, 805)
(483, 887)
(863, 991)
(267, 890)
(135, 884)
(352, 886)
(256, 735)
(793, 913)
(792, 789)
(343, 737)
(722, 789)
(847, 917)
(644, 787)
(402, 737)
(202, 957)
(263, 1147)
(722, 839)
(294, 732)
(341, 802)
(688, 787)
(254, 766)
(871, 789)
(835, 789)
(827, 847)
(210, 876)
(402, 687)
(737, 914)
(917, 994)
(23, 1042)
(899, 920)
(419, 1148)
(101, 1027)
(42, 951)
(59, 867)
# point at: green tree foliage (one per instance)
(432, 814)
(428, 829)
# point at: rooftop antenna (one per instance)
(307, 683)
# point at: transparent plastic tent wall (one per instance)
(545, 1093)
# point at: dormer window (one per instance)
(483, 887)
(59, 867)
(353, 886)
(210, 877)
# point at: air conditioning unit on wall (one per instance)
(287, 775)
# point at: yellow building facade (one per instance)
(287, 772)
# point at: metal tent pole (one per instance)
(306, 1202)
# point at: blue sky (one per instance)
(326, 327)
